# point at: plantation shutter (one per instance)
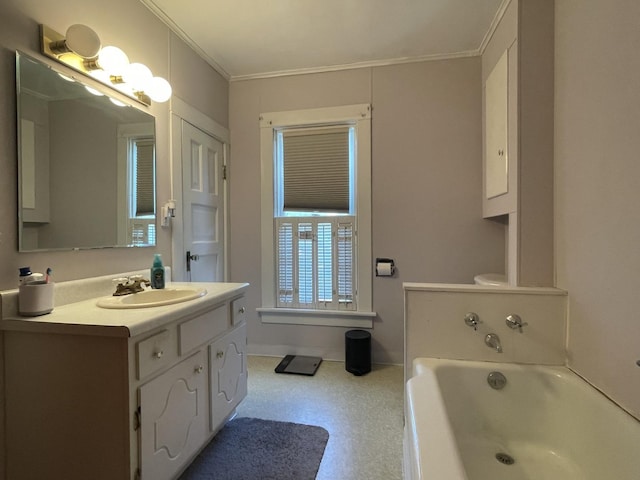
(346, 247)
(315, 262)
(316, 169)
(145, 187)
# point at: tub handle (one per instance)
(472, 320)
(514, 321)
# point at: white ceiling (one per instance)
(258, 38)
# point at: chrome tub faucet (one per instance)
(493, 341)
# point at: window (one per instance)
(316, 225)
(142, 193)
(136, 208)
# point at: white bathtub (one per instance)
(550, 422)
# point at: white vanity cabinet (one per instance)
(228, 374)
(108, 401)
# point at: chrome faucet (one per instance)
(514, 322)
(493, 341)
(129, 285)
(472, 319)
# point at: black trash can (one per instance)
(357, 352)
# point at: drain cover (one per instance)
(505, 458)
(496, 380)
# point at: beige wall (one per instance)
(426, 180)
(597, 196)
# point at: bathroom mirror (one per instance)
(86, 165)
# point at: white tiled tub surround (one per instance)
(551, 422)
(434, 323)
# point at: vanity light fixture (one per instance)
(81, 50)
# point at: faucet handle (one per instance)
(472, 319)
(514, 321)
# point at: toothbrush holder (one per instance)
(35, 299)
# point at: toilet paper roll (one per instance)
(384, 269)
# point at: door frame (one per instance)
(180, 110)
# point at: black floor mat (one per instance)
(299, 365)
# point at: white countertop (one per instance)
(86, 318)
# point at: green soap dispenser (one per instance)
(157, 272)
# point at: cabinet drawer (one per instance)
(203, 328)
(155, 352)
(238, 310)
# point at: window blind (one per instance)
(145, 187)
(316, 169)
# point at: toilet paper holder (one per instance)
(385, 267)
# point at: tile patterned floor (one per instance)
(364, 415)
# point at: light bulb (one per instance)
(101, 75)
(124, 88)
(159, 90)
(137, 76)
(113, 60)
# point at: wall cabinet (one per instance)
(500, 187)
(524, 37)
(496, 159)
(91, 402)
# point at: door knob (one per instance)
(191, 258)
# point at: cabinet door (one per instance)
(228, 374)
(172, 418)
(496, 161)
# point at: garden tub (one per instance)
(468, 420)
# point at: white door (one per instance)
(203, 204)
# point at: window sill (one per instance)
(328, 318)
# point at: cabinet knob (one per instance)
(242, 310)
(198, 369)
(219, 354)
(158, 354)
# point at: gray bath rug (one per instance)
(256, 449)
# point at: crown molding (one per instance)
(355, 65)
(158, 12)
(326, 68)
(494, 25)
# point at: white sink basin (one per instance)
(152, 298)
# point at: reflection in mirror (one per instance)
(86, 166)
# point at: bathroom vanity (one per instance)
(130, 394)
